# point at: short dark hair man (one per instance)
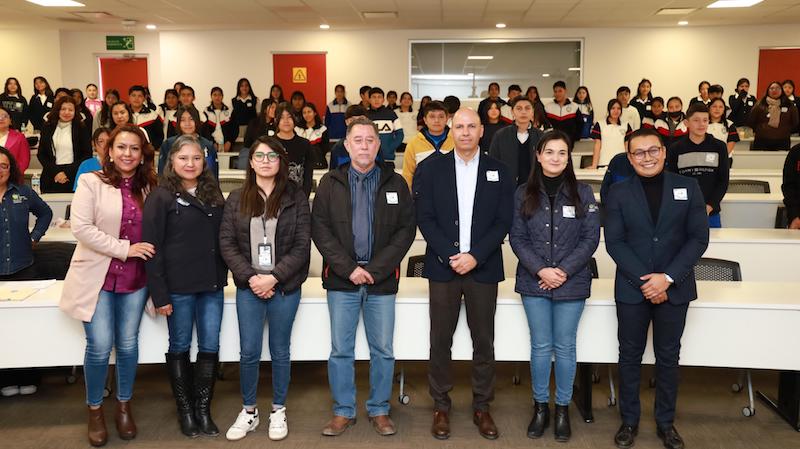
(389, 126)
(563, 114)
(433, 138)
(656, 230)
(516, 145)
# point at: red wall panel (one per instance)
(314, 88)
(777, 65)
(122, 73)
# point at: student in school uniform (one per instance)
(506, 114)
(539, 114)
(701, 156)
(244, 105)
(644, 98)
(190, 123)
(721, 128)
(391, 100)
(80, 101)
(515, 145)
(363, 92)
(741, 103)
(656, 112)
(144, 117)
(788, 90)
(630, 114)
(167, 112)
(263, 125)
(41, 102)
(316, 133)
(16, 105)
(275, 94)
(494, 123)
(584, 102)
(562, 114)
(219, 125)
(390, 129)
(334, 115)
(297, 103)
(773, 118)
(702, 88)
(494, 95)
(433, 138)
(100, 147)
(610, 136)
(103, 118)
(671, 126)
(408, 119)
(420, 115)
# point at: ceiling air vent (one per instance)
(379, 15)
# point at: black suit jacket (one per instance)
(436, 201)
(673, 245)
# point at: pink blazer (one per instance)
(95, 220)
(17, 144)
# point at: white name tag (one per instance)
(710, 157)
(648, 108)
(265, 255)
(749, 103)
(680, 194)
(492, 175)
(568, 211)
(182, 202)
(392, 198)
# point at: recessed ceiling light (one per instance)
(500, 25)
(734, 3)
(151, 27)
(481, 57)
(545, 75)
(59, 3)
(683, 23)
(674, 11)
(574, 69)
(324, 26)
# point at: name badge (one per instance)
(182, 202)
(648, 108)
(265, 255)
(749, 103)
(392, 198)
(568, 211)
(16, 198)
(711, 157)
(492, 175)
(680, 194)
(784, 109)
(49, 105)
(249, 105)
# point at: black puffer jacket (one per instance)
(292, 240)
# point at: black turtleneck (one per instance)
(551, 186)
(653, 192)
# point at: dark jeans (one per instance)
(201, 309)
(668, 323)
(445, 305)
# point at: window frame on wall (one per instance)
(543, 93)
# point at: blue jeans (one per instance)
(206, 309)
(554, 328)
(714, 221)
(345, 308)
(115, 323)
(253, 312)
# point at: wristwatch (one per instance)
(669, 278)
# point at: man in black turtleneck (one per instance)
(656, 229)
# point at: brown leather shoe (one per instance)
(337, 425)
(98, 435)
(383, 425)
(441, 425)
(126, 427)
(485, 424)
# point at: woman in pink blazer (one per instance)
(105, 285)
(15, 142)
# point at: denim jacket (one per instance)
(17, 204)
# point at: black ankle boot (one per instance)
(205, 374)
(180, 376)
(561, 424)
(540, 420)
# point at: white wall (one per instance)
(675, 59)
(27, 54)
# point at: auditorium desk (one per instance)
(773, 177)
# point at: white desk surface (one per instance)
(740, 325)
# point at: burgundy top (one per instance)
(128, 276)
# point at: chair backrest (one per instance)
(28, 178)
(51, 259)
(233, 162)
(415, 266)
(67, 211)
(595, 184)
(230, 184)
(586, 161)
(781, 220)
(748, 186)
(708, 269)
(593, 268)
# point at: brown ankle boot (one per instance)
(98, 435)
(124, 419)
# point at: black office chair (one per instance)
(748, 186)
(233, 162)
(781, 219)
(708, 269)
(595, 184)
(586, 161)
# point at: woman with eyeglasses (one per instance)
(773, 119)
(65, 143)
(265, 239)
(555, 231)
(181, 219)
(15, 142)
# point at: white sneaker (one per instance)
(278, 428)
(11, 390)
(245, 423)
(27, 389)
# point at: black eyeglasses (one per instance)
(653, 152)
(272, 156)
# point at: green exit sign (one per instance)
(120, 43)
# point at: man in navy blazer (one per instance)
(465, 204)
(656, 230)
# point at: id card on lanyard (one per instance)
(265, 249)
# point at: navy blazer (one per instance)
(672, 246)
(436, 203)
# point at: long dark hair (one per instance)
(144, 179)
(317, 119)
(47, 89)
(105, 109)
(249, 89)
(611, 104)
(113, 125)
(263, 115)
(280, 98)
(639, 89)
(285, 107)
(784, 99)
(251, 203)
(208, 191)
(14, 174)
(533, 189)
(19, 88)
(588, 101)
(722, 118)
(193, 113)
(55, 113)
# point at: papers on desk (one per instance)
(21, 290)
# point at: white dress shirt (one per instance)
(466, 183)
(62, 143)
